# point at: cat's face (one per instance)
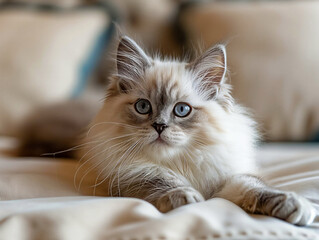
(165, 106)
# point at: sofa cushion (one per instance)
(46, 55)
(273, 56)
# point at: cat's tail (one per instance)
(55, 130)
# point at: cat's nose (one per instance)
(159, 127)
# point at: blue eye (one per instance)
(182, 109)
(143, 106)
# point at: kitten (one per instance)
(170, 133)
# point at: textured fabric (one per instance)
(273, 58)
(39, 201)
(41, 56)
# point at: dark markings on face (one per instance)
(159, 98)
(133, 117)
(162, 94)
(162, 100)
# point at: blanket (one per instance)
(38, 200)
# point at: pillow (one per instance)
(45, 56)
(273, 56)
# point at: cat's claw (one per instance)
(291, 208)
(178, 197)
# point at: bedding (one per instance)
(39, 201)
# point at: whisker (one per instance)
(119, 161)
(92, 149)
(116, 123)
(108, 140)
(102, 160)
(72, 148)
(131, 156)
(109, 162)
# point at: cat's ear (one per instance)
(131, 62)
(210, 69)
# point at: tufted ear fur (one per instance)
(210, 70)
(131, 62)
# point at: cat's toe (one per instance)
(292, 208)
(178, 197)
(304, 213)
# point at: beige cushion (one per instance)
(41, 55)
(273, 54)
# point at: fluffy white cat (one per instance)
(170, 133)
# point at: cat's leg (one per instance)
(254, 196)
(163, 188)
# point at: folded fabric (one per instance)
(39, 201)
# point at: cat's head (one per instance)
(166, 106)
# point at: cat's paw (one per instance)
(178, 197)
(290, 207)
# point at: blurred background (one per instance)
(54, 50)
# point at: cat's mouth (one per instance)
(160, 140)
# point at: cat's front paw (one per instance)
(290, 207)
(178, 197)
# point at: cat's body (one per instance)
(170, 133)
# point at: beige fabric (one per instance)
(48, 207)
(273, 56)
(41, 55)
